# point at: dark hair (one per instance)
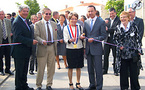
(92, 6)
(112, 9)
(13, 14)
(72, 14)
(84, 17)
(62, 15)
(67, 11)
(55, 13)
(97, 13)
(9, 14)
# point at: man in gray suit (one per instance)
(5, 37)
(94, 29)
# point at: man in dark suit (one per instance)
(94, 29)
(13, 17)
(33, 60)
(22, 33)
(140, 24)
(113, 21)
(5, 38)
(66, 17)
(138, 21)
(55, 17)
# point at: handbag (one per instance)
(135, 56)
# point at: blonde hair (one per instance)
(125, 13)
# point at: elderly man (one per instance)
(22, 33)
(45, 32)
(5, 37)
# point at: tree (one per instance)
(34, 7)
(117, 4)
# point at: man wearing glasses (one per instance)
(45, 32)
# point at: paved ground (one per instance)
(110, 82)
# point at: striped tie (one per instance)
(4, 30)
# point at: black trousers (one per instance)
(33, 61)
(5, 51)
(21, 67)
(128, 64)
(107, 49)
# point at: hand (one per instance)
(82, 36)
(72, 40)
(35, 42)
(106, 28)
(11, 34)
(44, 43)
(61, 41)
(121, 48)
(139, 53)
(90, 40)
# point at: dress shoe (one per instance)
(91, 88)
(104, 72)
(49, 88)
(30, 88)
(2, 73)
(31, 73)
(39, 88)
(116, 74)
(9, 72)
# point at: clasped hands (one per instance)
(90, 40)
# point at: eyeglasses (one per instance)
(73, 19)
(47, 13)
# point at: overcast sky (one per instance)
(9, 6)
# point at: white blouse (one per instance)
(67, 37)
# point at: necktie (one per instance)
(49, 34)
(4, 30)
(27, 24)
(91, 24)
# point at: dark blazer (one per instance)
(52, 19)
(140, 24)
(60, 32)
(21, 34)
(98, 32)
(112, 28)
(12, 19)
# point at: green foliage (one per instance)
(45, 6)
(34, 7)
(117, 4)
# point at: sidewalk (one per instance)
(60, 82)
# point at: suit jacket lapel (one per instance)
(95, 24)
(43, 29)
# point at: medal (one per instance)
(73, 35)
(75, 45)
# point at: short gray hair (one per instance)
(44, 9)
(133, 9)
(21, 7)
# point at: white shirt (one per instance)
(112, 20)
(94, 19)
(127, 28)
(50, 28)
(67, 37)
